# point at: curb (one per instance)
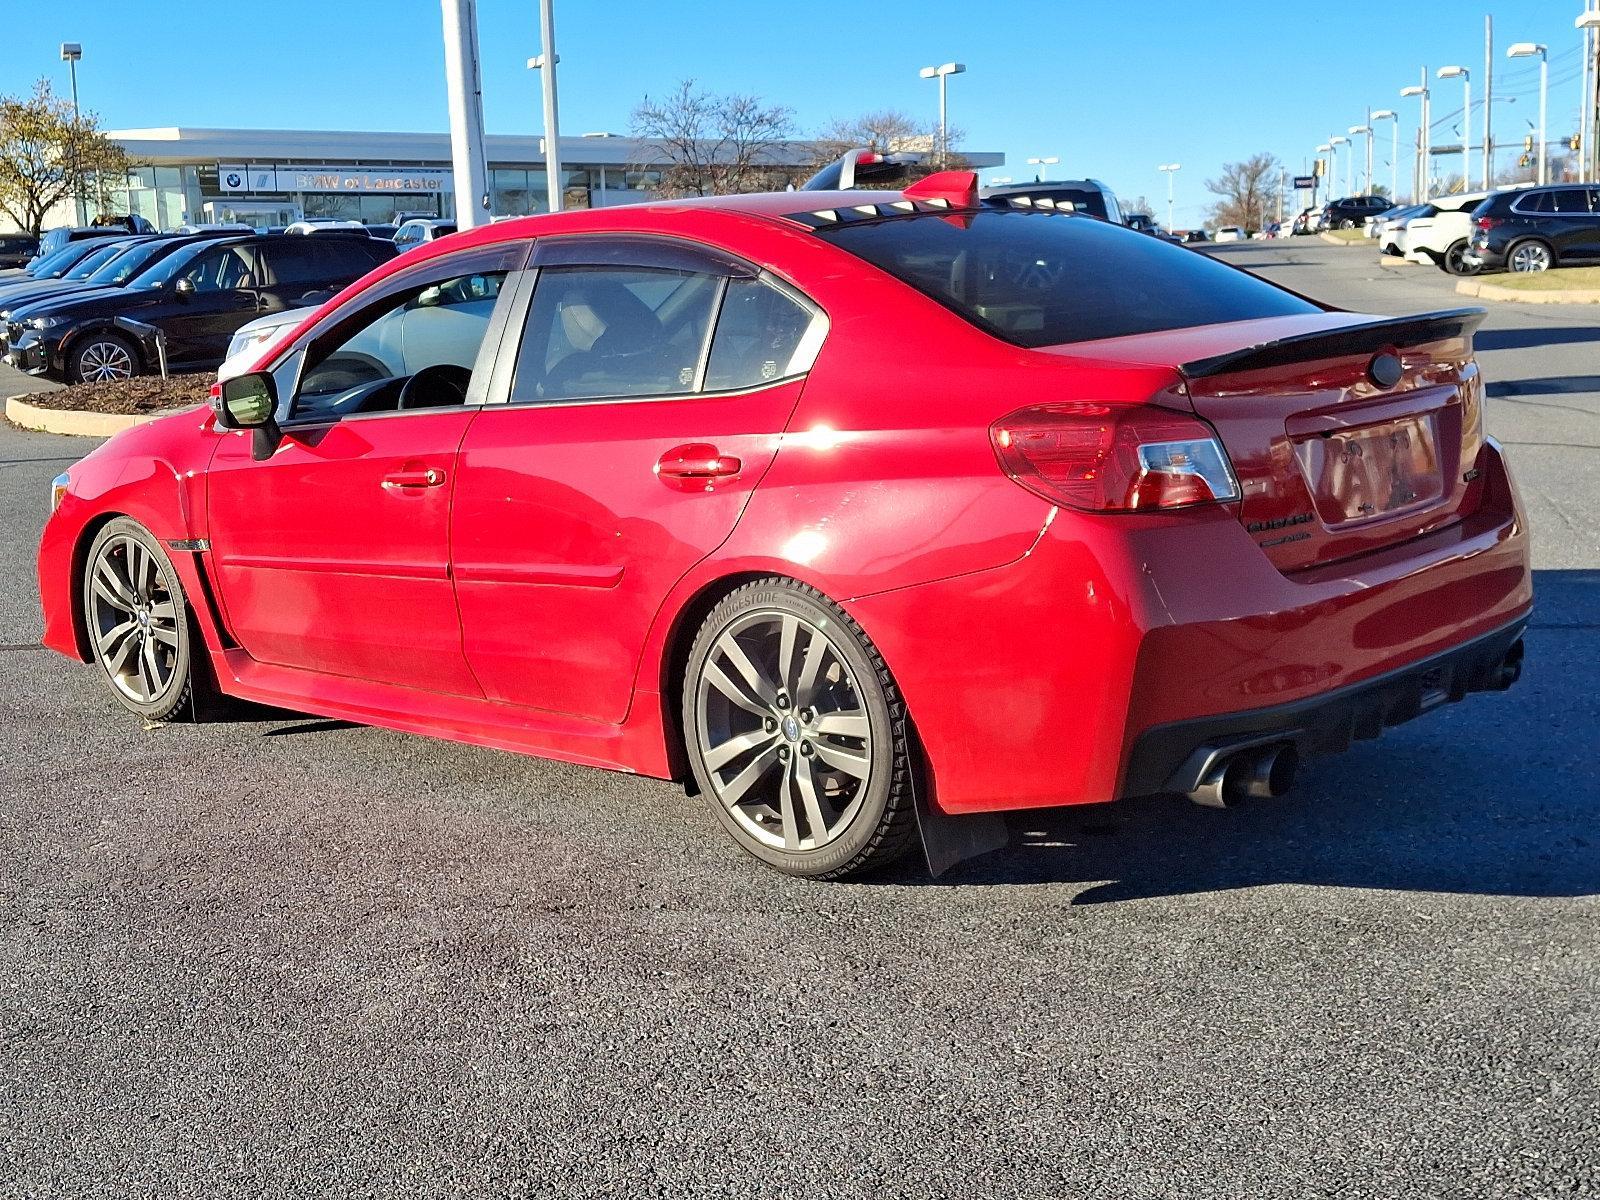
(1393, 262)
(1492, 291)
(1347, 243)
(72, 422)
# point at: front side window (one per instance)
(614, 332)
(220, 270)
(417, 347)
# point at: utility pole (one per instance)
(1368, 188)
(545, 64)
(71, 52)
(1488, 97)
(464, 89)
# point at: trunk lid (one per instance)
(1347, 433)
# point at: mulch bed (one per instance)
(128, 397)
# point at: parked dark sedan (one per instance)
(20, 291)
(190, 304)
(1534, 229)
(17, 249)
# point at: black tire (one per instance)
(129, 584)
(1347, 223)
(101, 356)
(1453, 261)
(877, 824)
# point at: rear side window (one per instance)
(1039, 279)
(761, 336)
(599, 332)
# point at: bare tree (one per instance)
(47, 155)
(714, 144)
(1136, 204)
(1246, 189)
(887, 131)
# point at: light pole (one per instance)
(1038, 176)
(1589, 125)
(1316, 176)
(1348, 159)
(1421, 194)
(463, 84)
(71, 52)
(1366, 129)
(545, 64)
(942, 74)
(1388, 114)
(1465, 76)
(1528, 50)
(1169, 170)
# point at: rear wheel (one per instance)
(138, 621)
(1455, 260)
(102, 358)
(1530, 255)
(796, 733)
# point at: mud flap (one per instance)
(949, 839)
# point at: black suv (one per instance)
(1534, 229)
(192, 300)
(1352, 211)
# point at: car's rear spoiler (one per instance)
(1369, 337)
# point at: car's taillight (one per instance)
(1487, 223)
(1113, 458)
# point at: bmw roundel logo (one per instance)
(235, 179)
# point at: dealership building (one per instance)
(268, 177)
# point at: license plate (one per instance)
(1376, 471)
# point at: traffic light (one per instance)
(1527, 143)
(1321, 168)
(1525, 161)
(1575, 142)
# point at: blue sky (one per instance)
(1112, 88)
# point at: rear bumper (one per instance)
(1045, 682)
(1179, 756)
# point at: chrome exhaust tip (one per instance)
(1259, 774)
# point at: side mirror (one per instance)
(183, 289)
(251, 402)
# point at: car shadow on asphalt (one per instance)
(1544, 385)
(1494, 796)
(1535, 337)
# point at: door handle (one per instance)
(431, 477)
(695, 462)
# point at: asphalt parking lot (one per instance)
(294, 957)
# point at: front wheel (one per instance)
(797, 735)
(138, 621)
(102, 358)
(1530, 256)
(1455, 260)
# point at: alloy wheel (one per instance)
(104, 361)
(1530, 256)
(782, 730)
(134, 622)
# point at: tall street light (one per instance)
(942, 74)
(545, 64)
(1589, 127)
(1528, 50)
(1465, 76)
(71, 52)
(1366, 129)
(1388, 114)
(1348, 159)
(1038, 176)
(1169, 170)
(1316, 176)
(1421, 193)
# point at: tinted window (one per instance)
(1041, 280)
(320, 260)
(220, 270)
(595, 332)
(759, 331)
(130, 262)
(1571, 200)
(93, 262)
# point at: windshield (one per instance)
(129, 263)
(1042, 279)
(93, 261)
(52, 263)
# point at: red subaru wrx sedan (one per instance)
(848, 510)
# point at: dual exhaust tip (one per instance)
(1260, 773)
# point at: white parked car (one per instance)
(1386, 228)
(419, 231)
(1229, 233)
(1441, 237)
(320, 224)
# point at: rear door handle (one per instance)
(697, 461)
(431, 477)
